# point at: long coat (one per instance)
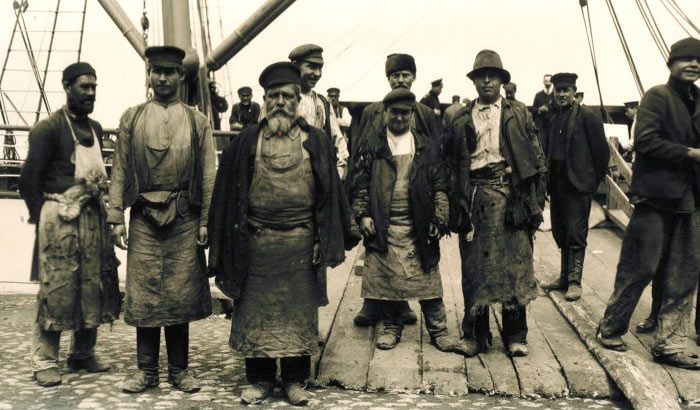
(664, 131)
(373, 185)
(228, 217)
(587, 151)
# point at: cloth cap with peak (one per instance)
(165, 56)
(333, 90)
(399, 62)
(488, 60)
(245, 90)
(280, 73)
(75, 70)
(564, 80)
(631, 104)
(400, 98)
(436, 82)
(307, 52)
(688, 47)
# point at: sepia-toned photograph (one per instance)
(350, 204)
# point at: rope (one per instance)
(591, 48)
(625, 48)
(683, 15)
(663, 3)
(227, 83)
(653, 29)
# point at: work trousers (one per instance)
(433, 313)
(45, 344)
(177, 339)
(569, 209)
(264, 369)
(664, 246)
(476, 325)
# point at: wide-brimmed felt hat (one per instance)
(488, 59)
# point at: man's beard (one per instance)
(280, 121)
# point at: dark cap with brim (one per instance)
(488, 60)
(333, 90)
(631, 104)
(688, 47)
(579, 94)
(307, 52)
(561, 80)
(400, 98)
(436, 82)
(280, 73)
(165, 56)
(245, 90)
(75, 70)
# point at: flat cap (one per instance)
(245, 90)
(398, 62)
(688, 47)
(578, 94)
(307, 52)
(333, 90)
(400, 98)
(280, 73)
(564, 80)
(75, 70)
(165, 56)
(631, 104)
(436, 82)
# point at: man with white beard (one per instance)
(277, 221)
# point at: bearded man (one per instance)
(279, 219)
(62, 182)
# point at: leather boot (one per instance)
(576, 256)
(148, 349)
(368, 315)
(562, 281)
(407, 315)
(177, 338)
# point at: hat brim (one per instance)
(315, 60)
(505, 75)
(401, 105)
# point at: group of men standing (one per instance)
(276, 215)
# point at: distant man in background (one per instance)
(432, 99)
(510, 89)
(314, 107)
(219, 104)
(451, 110)
(341, 113)
(400, 70)
(245, 112)
(577, 156)
(578, 97)
(164, 167)
(542, 103)
(62, 182)
(662, 240)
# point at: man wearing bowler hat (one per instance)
(400, 71)
(662, 241)
(577, 156)
(498, 174)
(62, 182)
(164, 171)
(279, 219)
(314, 107)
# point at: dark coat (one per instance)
(664, 132)
(373, 185)
(587, 150)
(522, 151)
(228, 213)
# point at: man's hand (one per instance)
(119, 238)
(694, 154)
(316, 254)
(543, 109)
(367, 227)
(202, 236)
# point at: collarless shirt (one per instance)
(487, 124)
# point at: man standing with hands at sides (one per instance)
(402, 172)
(662, 241)
(498, 176)
(543, 102)
(62, 182)
(577, 156)
(164, 171)
(314, 107)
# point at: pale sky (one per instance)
(533, 37)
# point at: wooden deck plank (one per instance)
(539, 373)
(645, 384)
(584, 375)
(398, 369)
(346, 357)
(337, 283)
(505, 380)
(443, 373)
(478, 375)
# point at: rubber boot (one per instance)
(576, 256)
(562, 282)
